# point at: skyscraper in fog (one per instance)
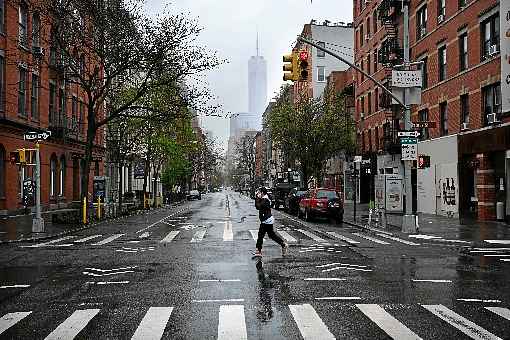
(257, 86)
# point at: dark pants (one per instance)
(267, 228)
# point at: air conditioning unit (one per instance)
(492, 118)
(465, 126)
(440, 18)
(423, 31)
(367, 36)
(493, 49)
(362, 115)
(38, 51)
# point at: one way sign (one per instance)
(414, 134)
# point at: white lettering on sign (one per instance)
(406, 78)
(37, 136)
(409, 149)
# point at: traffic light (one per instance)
(303, 65)
(290, 67)
(423, 161)
(19, 156)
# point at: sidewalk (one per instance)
(19, 228)
(433, 225)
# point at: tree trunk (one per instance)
(120, 188)
(305, 176)
(91, 135)
(146, 169)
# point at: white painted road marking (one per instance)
(73, 324)
(109, 270)
(49, 243)
(153, 324)
(153, 224)
(434, 281)
(497, 241)
(286, 236)
(479, 300)
(14, 286)
(107, 282)
(324, 279)
(312, 236)
(309, 323)
(503, 312)
(391, 326)
(171, 235)
(341, 237)
(373, 239)
(10, 319)
(348, 268)
(107, 274)
(398, 240)
(340, 264)
(228, 280)
(344, 298)
(228, 234)
(219, 300)
(108, 240)
(231, 323)
(424, 237)
(462, 324)
(144, 235)
(82, 240)
(199, 235)
(254, 234)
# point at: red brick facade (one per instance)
(65, 116)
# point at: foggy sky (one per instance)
(230, 27)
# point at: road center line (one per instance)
(228, 234)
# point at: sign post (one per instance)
(409, 147)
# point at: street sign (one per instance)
(409, 149)
(406, 78)
(424, 125)
(413, 134)
(37, 135)
(357, 159)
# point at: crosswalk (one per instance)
(233, 322)
(228, 233)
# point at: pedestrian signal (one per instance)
(303, 65)
(423, 161)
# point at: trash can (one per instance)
(500, 211)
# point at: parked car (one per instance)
(280, 192)
(322, 202)
(194, 194)
(292, 201)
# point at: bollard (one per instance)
(99, 208)
(84, 211)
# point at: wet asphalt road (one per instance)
(187, 273)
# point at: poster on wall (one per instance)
(394, 197)
(505, 54)
(379, 192)
(449, 189)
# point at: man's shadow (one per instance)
(265, 309)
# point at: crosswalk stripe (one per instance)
(398, 240)
(50, 242)
(462, 324)
(341, 237)
(254, 234)
(373, 239)
(108, 239)
(73, 324)
(311, 235)
(391, 326)
(231, 323)
(309, 323)
(10, 319)
(199, 235)
(153, 324)
(503, 312)
(286, 236)
(228, 234)
(171, 235)
(82, 240)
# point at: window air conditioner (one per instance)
(362, 115)
(367, 36)
(440, 18)
(493, 49)
(465, 126)
(492, 118)
(423, 31)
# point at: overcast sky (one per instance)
(230, 27)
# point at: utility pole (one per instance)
(37, 222)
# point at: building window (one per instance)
(62, 176)
(369, 63)
(22, 91)
(376, 99)
(363, 69)
(368, 27)
(23, 24)
(464, 109)
(443, 116)
(374, 21)
(2, 83)
(35, 97)
(53, 176)
(361, 35)
(441, 11)
(63, 105)
(96, 168)
(441, 61)
(321, 73)
(491, 100)
(376, 130)
(363, 107)
(423, 116)
(490, 36)
(463, 51)
(82, 117)
(36, 30)
(375, 60)
(369, 103)
(369, 140)
(2, 171)
(424, 74)
(2, 16)
(320, 53)
(421, 22)
(74, 113)
(462, 4)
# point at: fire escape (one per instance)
(391, 53)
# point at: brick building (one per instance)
(458, 43)
(36, 96)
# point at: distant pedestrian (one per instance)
(263, 205)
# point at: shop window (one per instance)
(53, 175)
(62, 176)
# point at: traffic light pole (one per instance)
(37, 222)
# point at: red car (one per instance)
(321, 202)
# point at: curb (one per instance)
(67, 232)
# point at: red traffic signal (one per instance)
(303, 65)
(423, 161)
(303, 55)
